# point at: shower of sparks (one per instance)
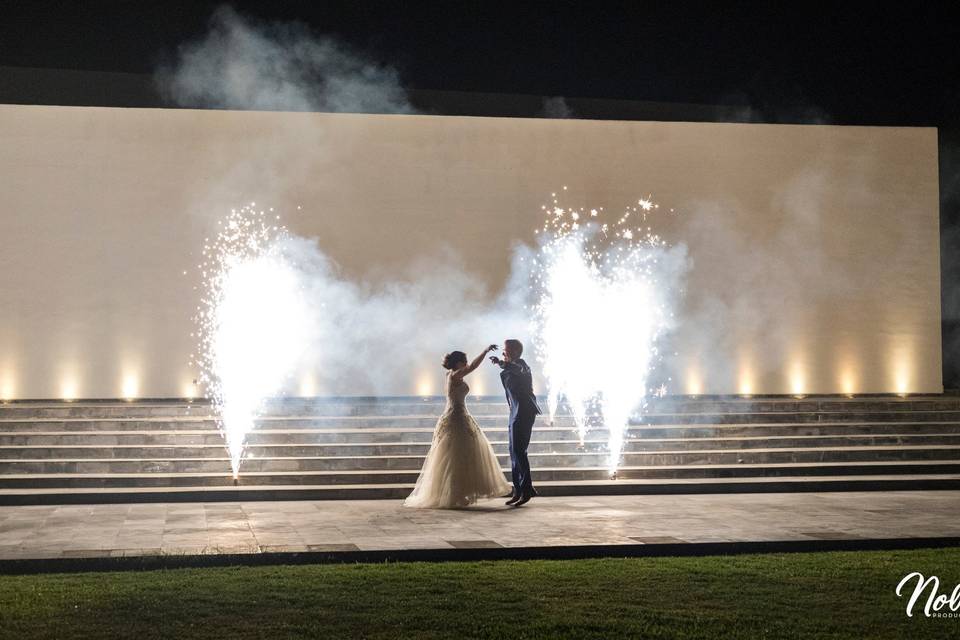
(251, 321)
(600, 310)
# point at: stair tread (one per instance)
(212, 418)
(546, 483)
(765, 431)
(622, 468)
(538, 427)
(533, 454)
(495, 442)
(503, 415)
(401, 399)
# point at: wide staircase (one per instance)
(359, 448)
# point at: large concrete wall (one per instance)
(815, 251)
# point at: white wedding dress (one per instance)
(461, 466)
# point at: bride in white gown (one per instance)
(461, 466)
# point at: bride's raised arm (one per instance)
(475, 363)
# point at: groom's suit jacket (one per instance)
(518, 385)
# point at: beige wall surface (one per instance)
(814, 250)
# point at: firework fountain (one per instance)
(603, 297)
(252, 291)
(602, 289)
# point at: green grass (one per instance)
(816, 595)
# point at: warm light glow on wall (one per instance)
(848, 382)
(7, 387)
(901, 361)
(68, 389)
(798, 378)
(901, 379)
(189, 390)
(694, 383)
(308, 386)
(130, 387)
(425, 385)
(745, 384)
(477, 385)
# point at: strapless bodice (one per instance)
(457, 395)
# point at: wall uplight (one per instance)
(7, 389)
(901, 372)
(68, 390)
(693, 382)
(308, 387)
(902, 381)
(848, 382)
(798, 379)
(130, 387)
(745, 384)
(424, 385)
(477, 386)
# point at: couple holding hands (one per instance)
(461, 466)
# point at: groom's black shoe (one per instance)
(524, 499)
(513, 499)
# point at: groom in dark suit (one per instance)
(518, 386)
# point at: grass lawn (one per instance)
(815, 595)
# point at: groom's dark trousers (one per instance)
(518, 385)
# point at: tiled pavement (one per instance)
(111, 531)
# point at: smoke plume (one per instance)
(389, 337)
(556, 107)
(277, 66)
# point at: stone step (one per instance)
(593, 444)
(490, 405)
(332, 407)
(427, 421)
(264, 424)
(479, 404)
(414, 462)
(811, 404)
(792, 429)
(546, 488)
(188, 435)
(372, 447)
(567, 474)
(804, 418)
(86, 410)
(253, 492)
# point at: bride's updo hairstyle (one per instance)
(454, 359)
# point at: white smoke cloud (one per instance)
(363, 337)
(757, 268)
(385, 335)
(385, 338)
(278, 66)
(556, 107)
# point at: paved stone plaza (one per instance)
(162, 529)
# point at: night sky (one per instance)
(855, 65)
